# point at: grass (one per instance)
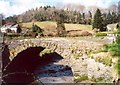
(50, 24)
(79, 78)
(105, 60)
(117, 67)
(40, 24)
(97, 80)
(83, 77)
(78, 27)
(45, 51)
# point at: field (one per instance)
(50, 24)
(78, 27)
(40, 24)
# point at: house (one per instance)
(9, 26)
(112, 27)
(109, 29)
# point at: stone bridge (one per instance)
(73, 51)
(64, 47)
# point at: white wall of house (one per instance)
(109, 29)
(4, 28)
(14, 29)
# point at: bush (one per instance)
(37, 29)
(61, 32)
(113, 48)
(101, 34)
(19, 30)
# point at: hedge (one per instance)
(101, 34)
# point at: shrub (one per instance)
(61, 32)
(113, 49)
(101, 34)
(19, 30)
(36, 29)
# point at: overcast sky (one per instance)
(14, 7)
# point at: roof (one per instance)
(9, 24)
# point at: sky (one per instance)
(15, 7)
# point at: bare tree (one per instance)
(113, 8)
(1, 19)
(81, 8)
(93, 9)
(119, 12)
